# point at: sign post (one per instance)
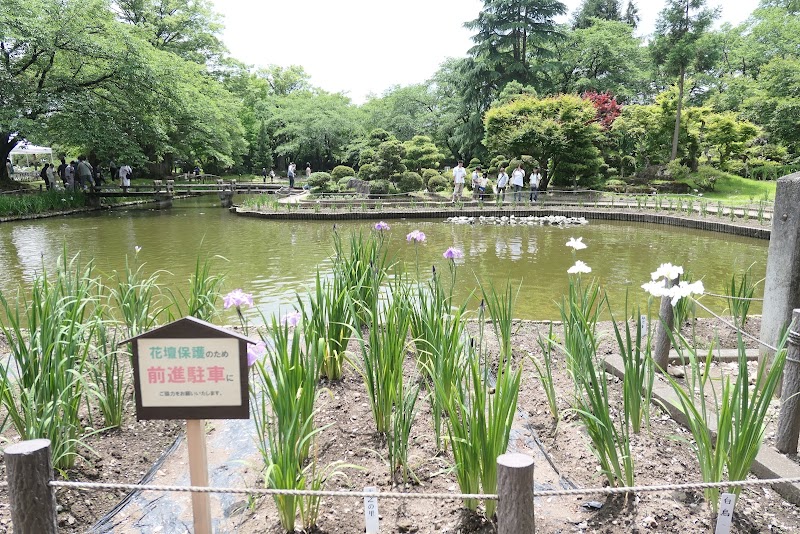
(193, 370)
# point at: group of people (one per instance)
(480, 183)
(82, 175)
(290, 173)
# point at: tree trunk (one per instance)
(678, 115)
(7, 143)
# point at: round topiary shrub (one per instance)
(427, 174)
(409, 181)
(437, 183)
(368, 172)
(319, 181)
(342, 171)
(379, 187)
(343, 183)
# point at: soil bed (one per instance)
(662, 456)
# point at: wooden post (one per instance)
(665, 324)
(515, 493)
(32, 500)
(789, 420)
(198, 474)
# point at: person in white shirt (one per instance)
(476, 182)
(125, 177)
(502, 183)
(517, 180)
(535, 179)
(459, 174)
(482, 185)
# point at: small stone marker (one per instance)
(371, 511)
(725, 516)
(643, 324)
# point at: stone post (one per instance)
(32, 500)
(782, 285)
(515, 493)
(789, 420)
(662, 344)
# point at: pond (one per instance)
(274, 259)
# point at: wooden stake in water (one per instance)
(371, 511)
(198, 474)
(725, 516)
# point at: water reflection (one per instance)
(274, 259)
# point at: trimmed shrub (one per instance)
(368, 172)
(320, 181)
(437, 183)
(409, 181)
(617, 186)
(379, 187)
(427, 174)
(342, 171)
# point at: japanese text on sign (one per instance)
(189, 372)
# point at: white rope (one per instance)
(752, 299)
(667, 487)
(731, 325)
(89, 486)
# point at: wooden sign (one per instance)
(190, 369)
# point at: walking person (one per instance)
(43, 176)
(535, 178)
(125, 177)
(483, 185)
(62, 170)
(84, 172)
(476, 182)
(459, 175)
(51, 177)
(517, 181)
(69, 176)
(264, 173)
(290, 174)
(272, 175)
(502, 183)
(308, 171)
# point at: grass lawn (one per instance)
(735, 189)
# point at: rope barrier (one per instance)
(90, 486)
(731, 325)
(752, 299)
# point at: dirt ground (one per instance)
(662, 455)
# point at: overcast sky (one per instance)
(365, 46)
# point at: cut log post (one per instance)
(515, 493)
(198, 474)
(789, 420)
(665, 325)
(32, 500)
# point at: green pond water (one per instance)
(274, 259)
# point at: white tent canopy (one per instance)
(27, 148)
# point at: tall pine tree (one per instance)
(599, 9)
(679, 27)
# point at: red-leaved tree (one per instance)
(606, 105)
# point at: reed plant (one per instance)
(610, 443)
(282, 399)
(204, 292)
(43, 383)
(109, 385)
(362, 268)
(481, 411)
(383, 353)
(737, 413)
(399, 442)
(544, 372)
(637, 382)
(580, 310)
(135, 297)
(501, 312)
(47, 201)
(329, 317)
(437, 328)
(740, 294)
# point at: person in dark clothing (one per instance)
(62, 172)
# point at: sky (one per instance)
(363, 47)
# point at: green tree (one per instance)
(389, 160)
(42, 44)
(421, 153)
(679, 27)
(559, 132)
(776, 102)
(591, 10)
(403, 111)
(728, 135)
(631, 14)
